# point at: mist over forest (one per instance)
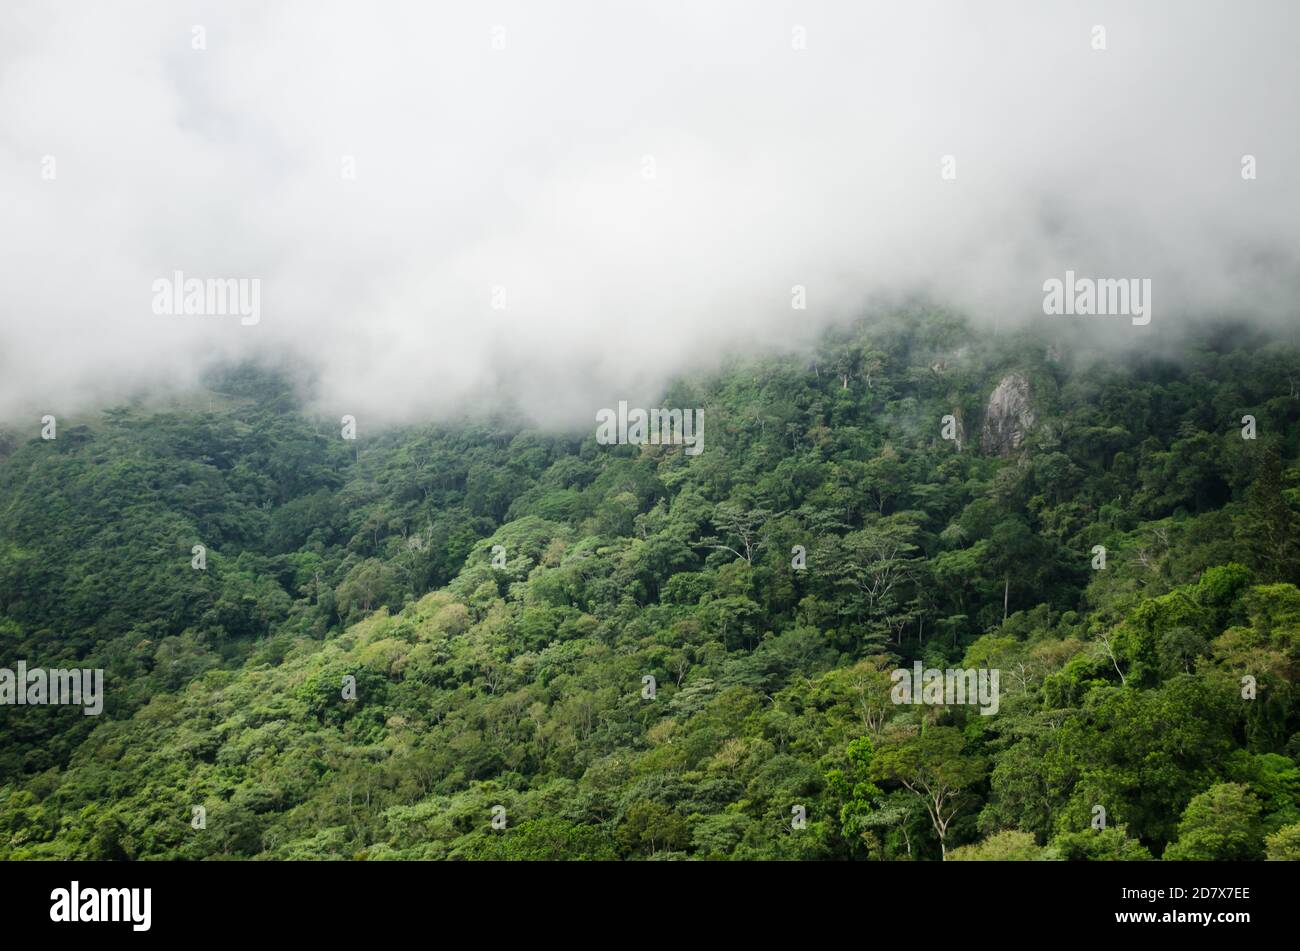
(450, 208)
(659, 431)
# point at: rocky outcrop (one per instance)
(1008, 417)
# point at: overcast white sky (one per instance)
(523, 167)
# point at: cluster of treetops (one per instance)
(497, 595)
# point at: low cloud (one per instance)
(565, 204)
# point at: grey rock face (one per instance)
(1008, 416)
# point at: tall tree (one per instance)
(934, 768)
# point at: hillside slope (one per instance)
(494, 599)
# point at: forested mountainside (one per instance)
(827, 535)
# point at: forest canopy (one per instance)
(488, 641)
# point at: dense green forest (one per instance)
(500, 707)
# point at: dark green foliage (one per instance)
(511, 681)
